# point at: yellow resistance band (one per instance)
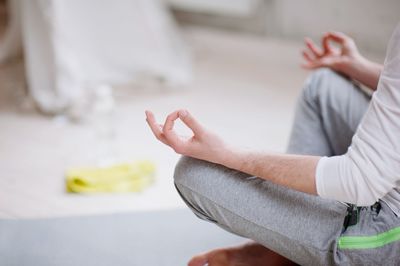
(119, 178)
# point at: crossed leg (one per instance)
(287, 225)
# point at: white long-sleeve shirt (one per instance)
(370, 170)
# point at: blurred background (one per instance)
(76, 77)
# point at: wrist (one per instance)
(350, 65)
(363, 70)
(362, 64)
(228, 156)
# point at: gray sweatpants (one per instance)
(304, 228)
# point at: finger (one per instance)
(313, 47)
(325, 43)
(155, 128)
(169, 122)
(151, 121)
(310, 65)
(310, 61)
(168, 130)
(322, 62)
(338, 37)
(330, 62)
(158, 134)
(149, 116)
(200, 260)
(307, 56)
(191, 122)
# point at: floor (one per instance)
(124, 239)
(244, 89)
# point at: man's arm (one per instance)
(371, 167)
(364, 71)
(293, 171)
(345, 59)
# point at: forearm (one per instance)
(293, 171)
(364, 71)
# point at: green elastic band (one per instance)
(364, 242)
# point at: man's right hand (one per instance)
(203, 144)
(343, 57)
(335, 57)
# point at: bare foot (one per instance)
(251, 254)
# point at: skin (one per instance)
(293, 171)
(344, 58)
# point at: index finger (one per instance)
(336, 36)
(168, 129)
(169, 122)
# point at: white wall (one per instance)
(218, 7)
(370, 22)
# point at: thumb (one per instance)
(191, 122)
(341, 39)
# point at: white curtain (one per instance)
(74, 45)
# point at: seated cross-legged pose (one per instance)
(334, 198)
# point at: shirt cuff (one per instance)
(328, 178)
(319, 176)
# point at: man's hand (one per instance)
(202, 144)
(337, 58)
(343, 57)
(293, 171)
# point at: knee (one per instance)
(182, 169)
(323, 85)
(198, 176)
(187, 172)
(191, 186)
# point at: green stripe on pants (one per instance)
(365, 242)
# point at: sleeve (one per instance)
(371, 166)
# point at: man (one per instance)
(337, 202)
